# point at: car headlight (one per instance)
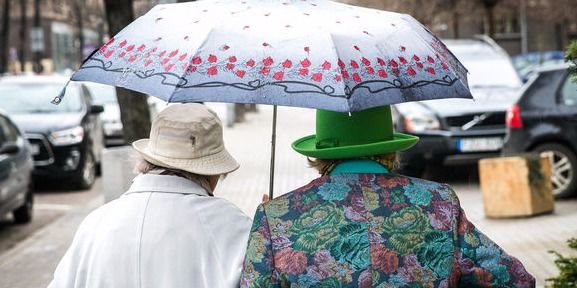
(67, 136)
(421, 123)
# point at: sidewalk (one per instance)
(31, 263)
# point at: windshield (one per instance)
(488, 68)
(24, 98)
(102, 94)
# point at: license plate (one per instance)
(35, 149)
(480, 144)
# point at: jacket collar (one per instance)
(359, 166)
(165, 184)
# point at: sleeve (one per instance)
(69, 273)
(258, 266)
(479, 261)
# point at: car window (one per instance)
(30, 97)
(87, 94)
(102, 94)
(2, 133)
(569, 93)
(8, 132)
(487, 66)
(541, 92)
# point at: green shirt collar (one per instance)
(359, 167)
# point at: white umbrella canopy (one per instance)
(306, 53)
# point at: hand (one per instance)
(265, 198)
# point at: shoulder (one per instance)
(220, 210)
(220, 206)
(295, 195)
(412, 185)
(94, 218)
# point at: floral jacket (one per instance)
(373, 230)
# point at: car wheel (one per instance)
(23, 214)
(564, 164)
(87, 173)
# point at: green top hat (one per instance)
(363, 133)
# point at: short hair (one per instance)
(389, 160)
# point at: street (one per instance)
(29, 253)
(50, 203)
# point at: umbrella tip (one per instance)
(58, 98)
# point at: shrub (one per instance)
(571, 56)
(567, 268)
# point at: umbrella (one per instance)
(305, 53)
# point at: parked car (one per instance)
(66, 139)
(462, 131)
(527, 64)
(105, 95)
(16, 165)
(544, 119)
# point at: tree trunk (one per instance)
(490, 10)
(77, 6)
(37, 65)
(4, 37)
(23, 30)
(134, 112)
(491, 21)
(455, 22)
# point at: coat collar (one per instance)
(359, 167)
(165, 184)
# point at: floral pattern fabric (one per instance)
(373, 230)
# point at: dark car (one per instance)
(462, 131)
(66, 139)
(105, 95)
(544, 119)
(16, 167)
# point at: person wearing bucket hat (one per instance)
(167, 230)
(362, 225)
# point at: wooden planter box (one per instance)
(516, 186)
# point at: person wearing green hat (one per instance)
(362, 225)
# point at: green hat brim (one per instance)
(400, 142)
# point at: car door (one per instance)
(21, 164)
(568, 109)
(7, 166)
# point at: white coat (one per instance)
(165, 231)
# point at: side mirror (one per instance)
(9, 148)
(96, 109)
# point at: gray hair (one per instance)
(145, 167)
(389, 160)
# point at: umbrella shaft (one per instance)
(272, 153)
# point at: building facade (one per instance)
(56, 39)
(519, 25)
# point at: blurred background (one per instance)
(56, 35)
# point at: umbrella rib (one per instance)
(181, 77)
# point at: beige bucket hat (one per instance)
(187, 137)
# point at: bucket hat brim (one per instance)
(400, 142)
(215, 164)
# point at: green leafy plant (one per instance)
(571, 56)
(567, 268)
